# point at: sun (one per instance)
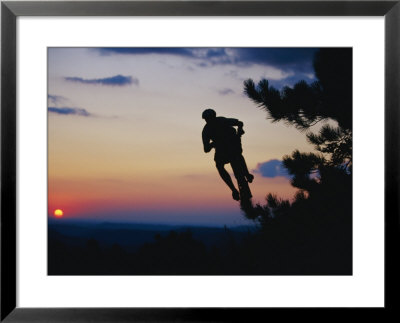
(58, 213)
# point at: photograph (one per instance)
(193, 160)
(199, 161)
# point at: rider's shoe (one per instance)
(235, 195)
(250, 178)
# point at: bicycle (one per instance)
(240, 171)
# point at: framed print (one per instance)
(194, 160)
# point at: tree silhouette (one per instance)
(323, 203)
(304, 105)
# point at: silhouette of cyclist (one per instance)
(219, 133)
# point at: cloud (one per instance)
(118, 80)
(56, 99)
(291, 80)
(226, 92)
(144, 50)
(295, 58)
(70, 111)
(272, 168)
(299, 59)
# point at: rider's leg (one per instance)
(237, 167)
(242, 162)
(240, 174)
(227, 179)
(248, 176)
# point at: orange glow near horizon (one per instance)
(169, 194)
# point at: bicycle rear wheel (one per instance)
(244, 190)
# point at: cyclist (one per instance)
(219, 133)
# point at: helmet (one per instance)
(208, 114)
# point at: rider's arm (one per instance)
(237, 123)
(240, 128)
(208, 145)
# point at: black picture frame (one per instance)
(10, 10)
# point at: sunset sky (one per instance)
(124, 129)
